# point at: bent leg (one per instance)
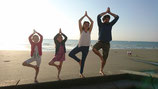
(52, 63)
(73, 53)
(97, 53)
(27, 63)
(96, 49)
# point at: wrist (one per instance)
(109, 12)
(106, 12)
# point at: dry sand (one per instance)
(11, 69)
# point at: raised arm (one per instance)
(114, 15)
(91, 25)
(55, 38)
(41, 37)
(103, 13)
(80, 24)
(99, 18)
(30, 37)
(65, 37)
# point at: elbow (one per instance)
(65, 37)
(99, 16)
(54, 39)
(41, 37)
(92, 22)
(117, 16)
(79, 21)
(29, 38)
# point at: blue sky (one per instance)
(138, 18)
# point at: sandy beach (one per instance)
(11, 69)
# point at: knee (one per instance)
(94, 50)
(82, 62)
(103, 61)
(70, 54)
(24, 64)
(105, 56)
(60, 66)
(37, 68)
(49, 63)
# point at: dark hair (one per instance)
(106, 16)
(85, 23)
(59, 35)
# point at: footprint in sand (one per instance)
(7, 61)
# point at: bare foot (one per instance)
(36, 81)
(101, 72)
(59, 78)
(82, 76)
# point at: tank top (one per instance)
(84, 39)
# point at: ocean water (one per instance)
(48, 45)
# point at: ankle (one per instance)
(82, 76)
(101, 70)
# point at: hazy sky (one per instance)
(137, 22)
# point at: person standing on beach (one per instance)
(59, 52)
(105, 28)
(36, 52)
(84, 42)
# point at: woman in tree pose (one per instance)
(84, 42)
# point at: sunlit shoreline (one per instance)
(48, 45)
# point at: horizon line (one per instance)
(115, 40)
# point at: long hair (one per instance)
(85, 23)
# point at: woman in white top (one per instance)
(84, 42)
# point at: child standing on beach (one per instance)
(59, 52)
(36, 52)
